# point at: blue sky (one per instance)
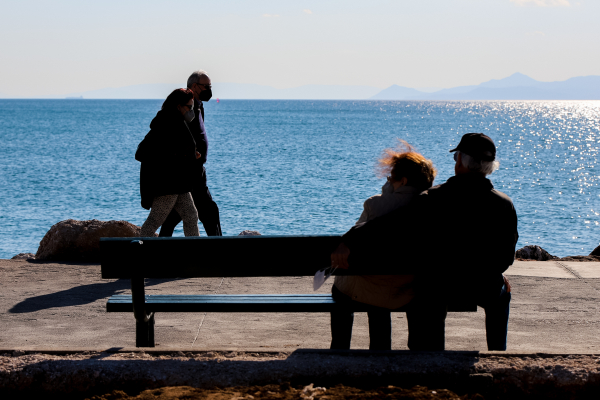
(55, 47)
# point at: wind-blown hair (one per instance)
(482, 167)
(178, 97)
(405, 162)
(195, 77)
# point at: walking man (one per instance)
(462, 234)
(208, 211)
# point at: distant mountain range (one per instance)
(514, 87)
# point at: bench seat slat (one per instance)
(241, 303)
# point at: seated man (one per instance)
(463, 236)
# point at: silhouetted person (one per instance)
(408, 174)
(208, 211)
(168, 153)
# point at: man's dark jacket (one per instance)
(167, 154)
(459, 237)
(201, 145)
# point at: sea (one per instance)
(297, 167)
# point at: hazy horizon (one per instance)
(68, 46)
(514, 87)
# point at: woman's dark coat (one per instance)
(167, 154)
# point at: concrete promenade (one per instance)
(51, 306)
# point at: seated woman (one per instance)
(167, 154)
(408, 174)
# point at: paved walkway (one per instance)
(62, 306)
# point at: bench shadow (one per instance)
(78, 295)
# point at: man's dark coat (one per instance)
(459, 236)
(201, 144)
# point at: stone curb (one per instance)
(491, 373)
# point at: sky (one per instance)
(61, 47)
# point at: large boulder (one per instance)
(595, 252)
(532, 252)
(249, 233)
(73, 240)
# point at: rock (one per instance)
(532, 252)
(73, 240)
(249, 233)
(596, 251)
(24, 256)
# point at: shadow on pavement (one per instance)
(77, 296)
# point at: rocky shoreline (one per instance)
(494, 375)
(536, 253)
(78, 241)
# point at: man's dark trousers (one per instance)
(208, 212)
(426, 321)
(497, 311)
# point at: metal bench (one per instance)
(234, 256)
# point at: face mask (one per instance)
(189, 116)
(205, 95)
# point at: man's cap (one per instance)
(478, 146)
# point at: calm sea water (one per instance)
(296, 167)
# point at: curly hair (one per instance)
(405, 162)
(178, 97)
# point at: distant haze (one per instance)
(515, 87)
(292, 49)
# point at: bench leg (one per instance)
(144, 322)
(144, 332)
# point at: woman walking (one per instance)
(408, 174)
(167, 154)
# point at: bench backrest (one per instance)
(231, 256)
